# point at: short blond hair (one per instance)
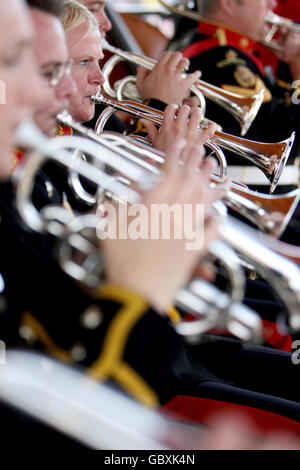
(75, 14)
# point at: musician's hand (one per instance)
(156, 267)
(166, 82)
(192, 101)
(183, 123)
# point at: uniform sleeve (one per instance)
(117, 337)
(112, 333)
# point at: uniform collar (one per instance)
(227, 36)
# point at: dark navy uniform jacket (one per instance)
(114, 335)
(111, 332)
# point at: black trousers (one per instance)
(255, 376)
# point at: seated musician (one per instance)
(281, 56)
(224, 45)
(83, 328)
(259, 295)
(83, 83)
(97, 8)
(74, 92)
(85, 51)
(164, 85)
(83, 40)
(38, 281)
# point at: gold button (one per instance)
(92, 317)
(27, 334)
(244, 42)
(78, 352)
(49, 189)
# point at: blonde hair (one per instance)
(74, 15)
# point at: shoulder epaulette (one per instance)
(18, 155)
(199, 47)
(217, 35)
(64, 130)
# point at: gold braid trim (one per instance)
(110, 362)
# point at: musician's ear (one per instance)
(229, 6)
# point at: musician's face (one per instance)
(86, 54)
(51, 51)
(250, 16)
(98, 10)
(19, 80)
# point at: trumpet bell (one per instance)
(278, 160)
(250, 107)
(270, 213)
(268, 256)
(243, 108)
(270, 158)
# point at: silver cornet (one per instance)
(270, 158)
(244, 109)
(276, 22)
(255, 207)
(281, 273)
(118, 178)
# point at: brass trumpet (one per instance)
(244, 109)
(270, 158)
